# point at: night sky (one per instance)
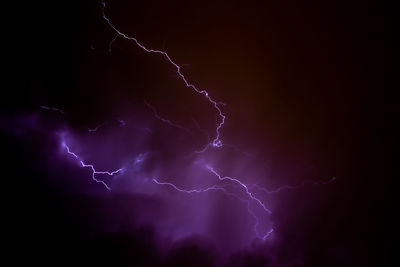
(306, 156)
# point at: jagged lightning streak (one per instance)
(226, 192)
(292, 187)
(214, 187)
(251, 196)
(90, 166)
(216, 142)
(153, 109)
(245, 187)
(91, 130)
(52, 109)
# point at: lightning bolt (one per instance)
(216, 142)
(211, 188)
(250, 198)
(90, 166)
(53, 109)
(245, 187)
(292, 187)
(153, 109)
(95, 129)
(226, 192)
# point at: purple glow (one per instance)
(118, 154)
(238, 189)
(241, 184)
(94, 172)
(121, 122)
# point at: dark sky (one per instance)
(309, 92)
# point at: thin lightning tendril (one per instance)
(226, 192)
(95, 129)
(250, 195)
(153, 109)
(292, 187)
(52, 109)
(216, 142)
(90, 166)
(214, 187)
(222, 178)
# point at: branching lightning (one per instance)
(226, 192)
(90, 166)
(216, 142)
(251, 196)
(247, 195)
